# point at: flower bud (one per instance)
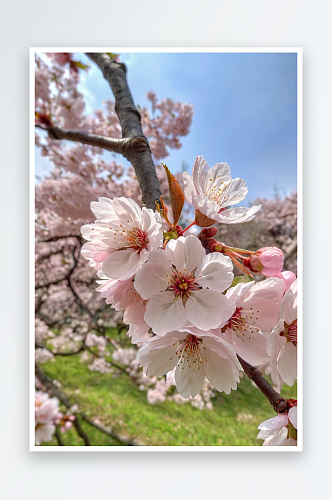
(267, 260)
(207, 233)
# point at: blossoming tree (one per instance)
(192, 321)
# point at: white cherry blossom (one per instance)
(282, 343)
(212, 191)
(194, 354)
(184, 285)
(276, 430)
(122, 237)
(253, 307)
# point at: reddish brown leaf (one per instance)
(176, 196)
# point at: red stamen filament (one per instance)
(240, 325)
(190, 352)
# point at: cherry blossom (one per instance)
(195, 354)
(282, 342)
(212, 191)
(280, 430)
(253, 307)
(122, 236)
(267, 260)
(184, 285)
(123, 297)
(46, 413)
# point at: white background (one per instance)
(210, 23)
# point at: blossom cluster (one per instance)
(48, 416)
(185, 311)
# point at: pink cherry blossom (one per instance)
(280, 430)
(123, 296)
(282, 342)
(267, 260)
(122, 237)
(46, 413)
(212, 191)
(183, 285)
(288, 278)
(195, 354)
(253, 307)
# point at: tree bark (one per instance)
(137, 151)
(99, 141)
(279, 404)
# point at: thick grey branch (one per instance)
(116, 145)
(138, 151)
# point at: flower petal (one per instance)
(215, 272)
(273, 423)
(206, 309)
(237, 215)
(287, 363)
(152, 279)
(251, 347)
(185, 253)
(189, 379)
(164, 314)
(157, 362)
(292, 415)
(221, 373)
(122, 264)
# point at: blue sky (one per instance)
(245, 109)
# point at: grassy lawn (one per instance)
(115, 401)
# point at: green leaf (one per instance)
(240, 279)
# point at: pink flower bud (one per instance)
(288, 278)
(267, 261)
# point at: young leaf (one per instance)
(176, 195)
(241, 279)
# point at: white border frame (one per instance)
(299, 52)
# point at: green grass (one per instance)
(118, 403)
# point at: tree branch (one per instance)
(279, 404)
(110, 432)
(137, 151)
(116, 145)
